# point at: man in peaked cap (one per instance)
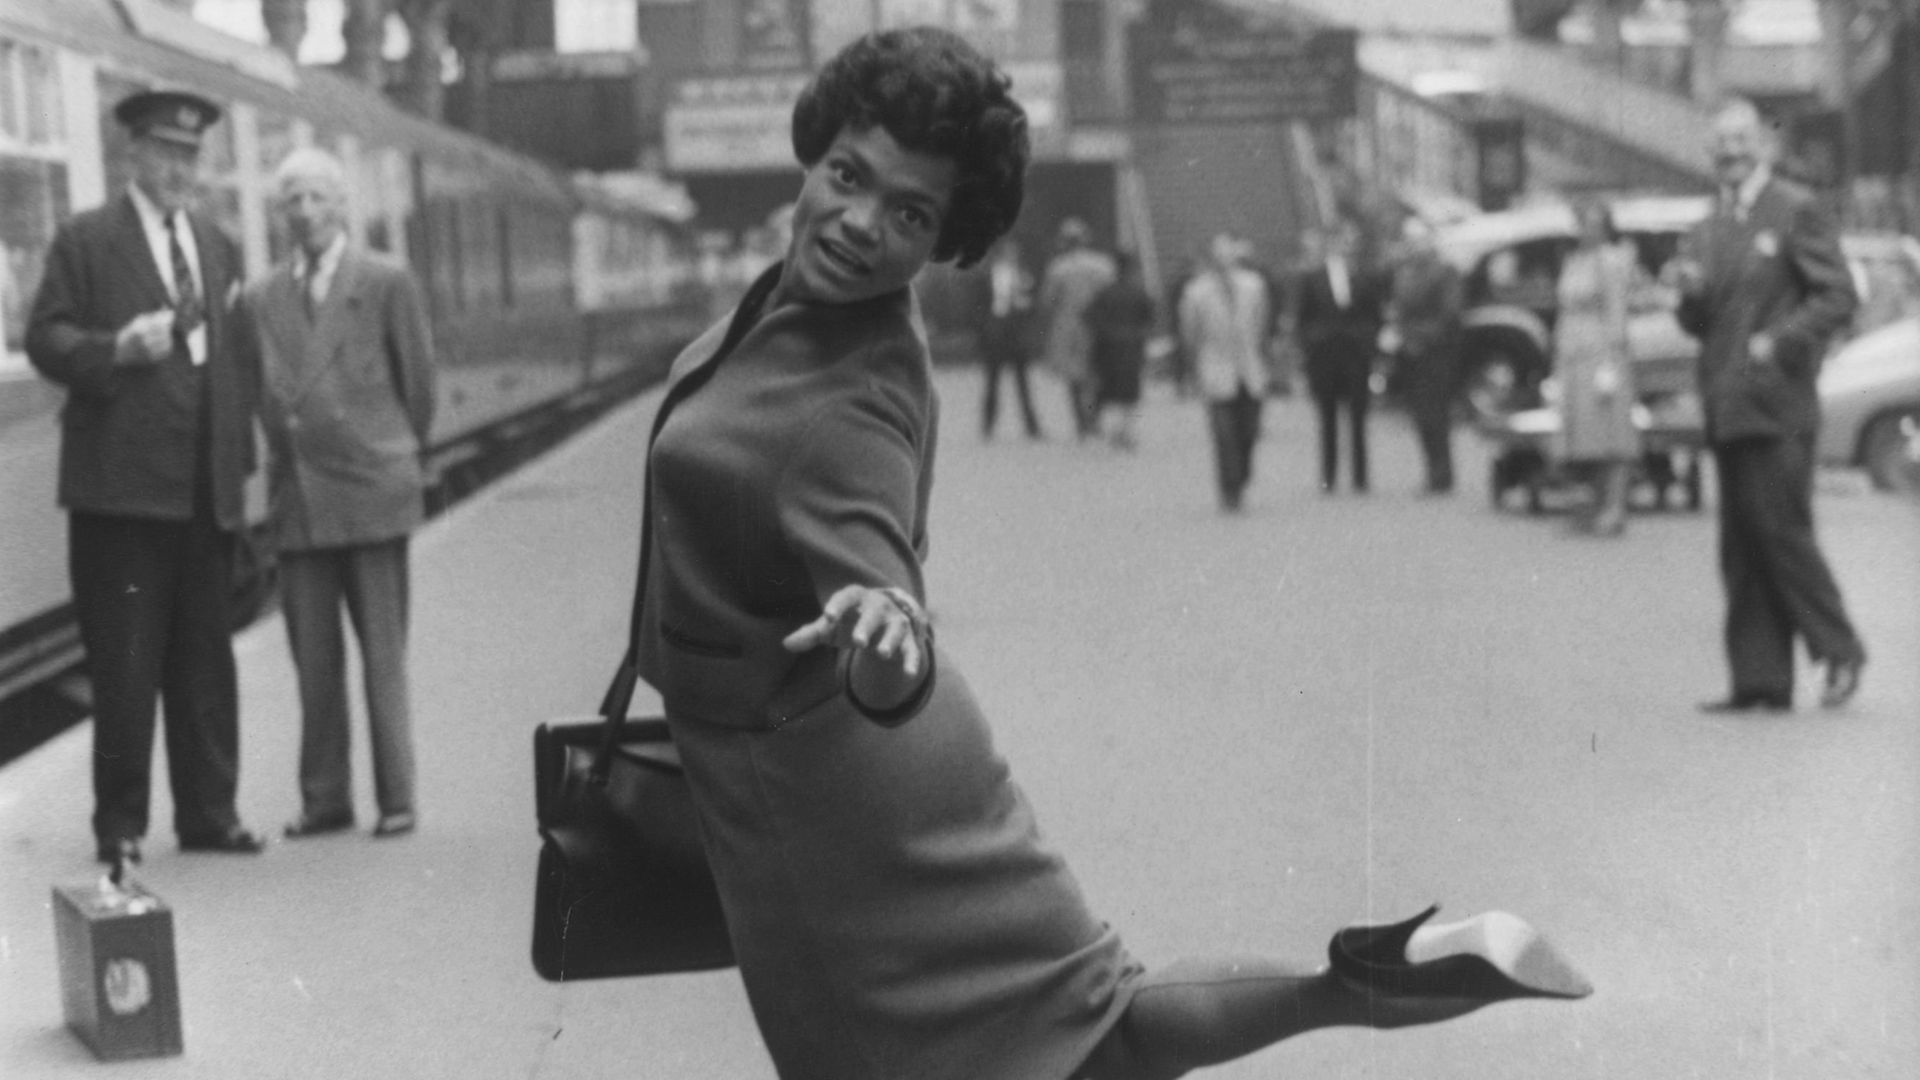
(133, 319)
(173, 116)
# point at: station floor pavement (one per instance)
(1244, 732)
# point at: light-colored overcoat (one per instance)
(347, 403)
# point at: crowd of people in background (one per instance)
(1231, 330)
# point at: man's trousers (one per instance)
(152, 602)
(370, 582)
(1777, 582)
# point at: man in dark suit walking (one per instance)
(1763, 286)
(132, 319)
(347, 403)
(1337, 317)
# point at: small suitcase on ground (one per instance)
(117, 978)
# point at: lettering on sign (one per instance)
(1186, 74)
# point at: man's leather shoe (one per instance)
(1843, 681)
(398, 824)
(1746, 703)
(235, 841)
(126, 849)
(309, 825)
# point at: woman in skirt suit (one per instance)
(893, 910)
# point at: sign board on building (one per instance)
(1209, 72)
(732, 123)
(743, 123)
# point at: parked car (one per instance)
(1870, 387)
(1870, 401)
(1511, 264)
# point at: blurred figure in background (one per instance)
(1179, 364)
(1763, 286)
(1337, 319)
(347, 369)
(1120, 319)
(1006, 335)
(1423, 315)
(1078, 271)
(134, 319)
(1223, 320)
(1592, 364)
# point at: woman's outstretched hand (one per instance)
(884, 624)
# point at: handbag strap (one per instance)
(619, 695)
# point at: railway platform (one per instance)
(1244, 731)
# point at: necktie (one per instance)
(1730, 202)
(1337, 279)
(188, 311)
(307, 283)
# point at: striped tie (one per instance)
(188, 311)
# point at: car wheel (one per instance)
(1891, 452)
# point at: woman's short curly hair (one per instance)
(935, 94)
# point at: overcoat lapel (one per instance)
(333, 318)
(215, 280)
(286, 327)
(144, 268)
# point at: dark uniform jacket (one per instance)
(1779, 272)
(347, 403)
(782, 470)
(130, 433)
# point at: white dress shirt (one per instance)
(316, 275)
(1339, 281)
(154, 223)
(1743, 195)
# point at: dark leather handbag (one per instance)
(623, 886)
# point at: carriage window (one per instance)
(33, 182)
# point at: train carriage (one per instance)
(548, 294)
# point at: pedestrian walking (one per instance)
(1423, 316)
(1121, 319)
(1077, 272)
(1006, 335)
(1764, 286)
(1594, 369)
(133, 319)
(1224, 319)
(890, 903)
(1337, 321)
(347, 377)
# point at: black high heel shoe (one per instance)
(1488, 958)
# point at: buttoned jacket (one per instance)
(1777, 270)
(1333, 337)
(804, 465)
(130, 432)
(347, 402)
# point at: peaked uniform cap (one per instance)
(174, 116)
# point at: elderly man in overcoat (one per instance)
(1764, 286)
(347, 374)
(133, 319)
